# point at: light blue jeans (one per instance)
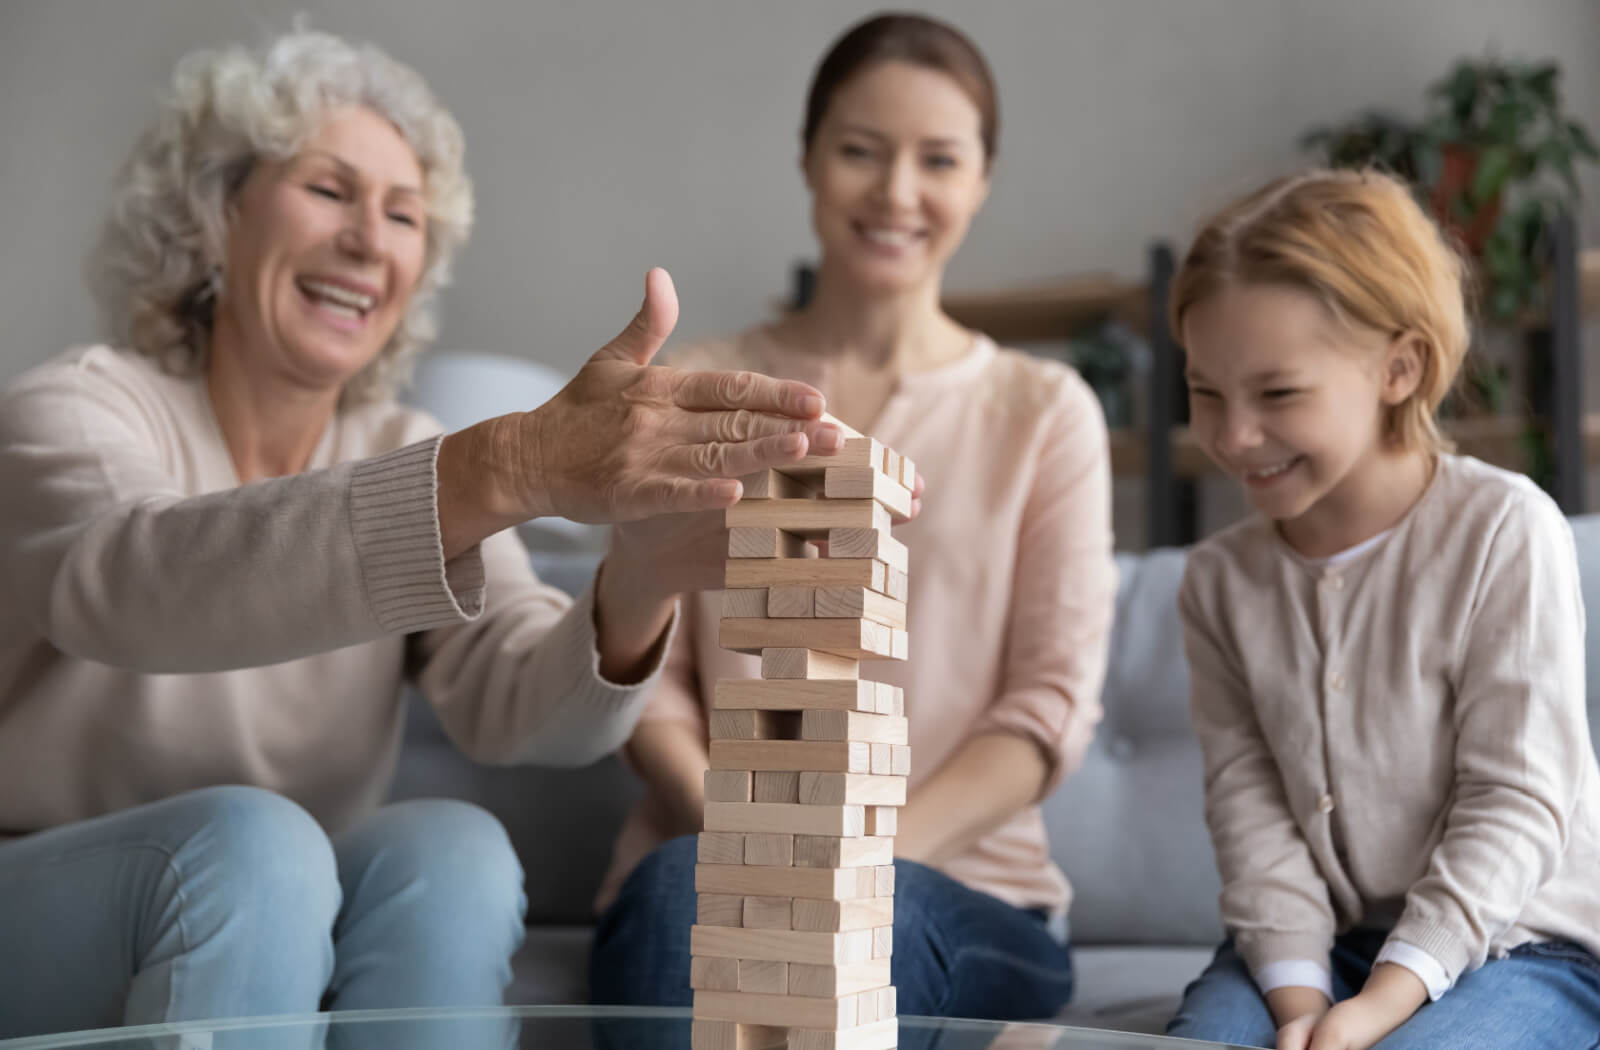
(233, 902)
(1540, 997)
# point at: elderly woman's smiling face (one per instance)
(324, 251)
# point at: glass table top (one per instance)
(548, 1028)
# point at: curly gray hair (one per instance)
(154, 269)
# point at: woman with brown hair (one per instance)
(1011, 555)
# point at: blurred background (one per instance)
(606, 137)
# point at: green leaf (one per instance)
(1494, 166)
(1581, 140)
(1542, 81)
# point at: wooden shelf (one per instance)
(1497, 440)
(1050, 311)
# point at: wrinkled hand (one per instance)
(626, 440)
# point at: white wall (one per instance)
(608, 136)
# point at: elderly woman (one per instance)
(223, 545)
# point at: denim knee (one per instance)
(641, 944)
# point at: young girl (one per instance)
(1387, 663)
(1013, 583)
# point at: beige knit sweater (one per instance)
(164, 628)
(1400, 742)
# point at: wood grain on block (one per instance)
(728, 785)
(780, 818)
(882, 821)
(775, 785)
(883, 882)
(908, 473)
(827, 851)
(720, 909)
(900, 760)
(770, 850)
(790, 1010)
(841, 483)
(807, 664)
(770, 484)
(856, 789)
(891, 464)
(809, 518)
(830, 756)
(879, 760)
(763, 977)
(769, 913)
(900, 645)
(866, 1007)
(822, 949)
(755, 725)
(802, 572)
(882, 940)
(851, 603)
(827, 981)
(853, 725)
(857, 452)
(744, 601)
(714, 975)
(711, 1034)
(791, 603)
(722, 880)
(755, 542)
(869, 543)
(888, 699)
(720, 847)
(878, 1035)
(835, 916)
(799, 695)
(896, 585)
(852, 639)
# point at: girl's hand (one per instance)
(1391, 995)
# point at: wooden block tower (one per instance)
(808, 764)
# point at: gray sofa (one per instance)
(1127, 827)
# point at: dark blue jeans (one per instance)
(957, 952)
(1544, 995)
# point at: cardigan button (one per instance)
(1333, 580)
(1325, 805)
(1336, 682)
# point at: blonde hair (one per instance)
(1359, 243)
(155, 272)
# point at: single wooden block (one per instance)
(899, 760)
(799, 695)
(866, 1007)
(880, 760)
(836, 916)
(770, 850)
(857, 452)
(744, 601)
(714, 975)
(769, 913)
(775, 785)
(826, 851)
(856, 789)
(908, 473)
(897, 585)
(879, 1035)
(806, 572)
(891, 464)
(852, 639)
(852, 483)
(779, 818)
(887, 699)
(770, 484)
(753, 542)
(899, 645)
(828, 981)
(821, 949)
(710, 1034)
(762, 976)
(728, 785)
(721, 880)
(791, 664)
(882, 821)
(851, 603)
(755, 725)
(720, 847)
(719, 909)
(852, 725)
(790, 1010)
(888, 1002)
(882, 940)
(790, 603)
(830, 756)
(810, 518)
(884, 881)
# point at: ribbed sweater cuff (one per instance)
(1262, 948)
(1437, 939)
(394, 517)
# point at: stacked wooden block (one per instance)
(808, 764)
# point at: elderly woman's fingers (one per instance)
(711, 391)
(638, 342)
(744, 425)
(733, 459)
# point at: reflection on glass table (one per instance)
(548, 1028)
